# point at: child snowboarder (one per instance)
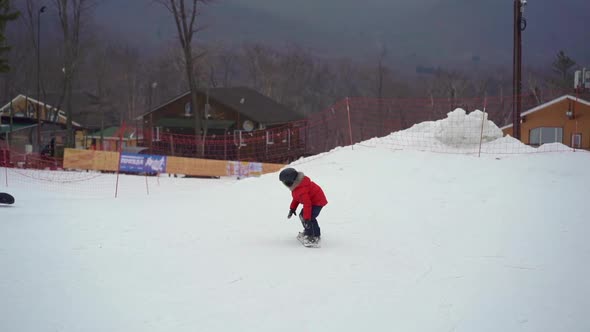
(308, 193)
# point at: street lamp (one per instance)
(520, 24)
(41, 10)
(153, 87)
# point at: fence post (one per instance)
(172, 144)
(5, 165)
(122, 132)
(117, 182)
(349, 124)
(483, 117)
(147, 188)
(574, 116)
(8, 156)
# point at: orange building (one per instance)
(563, 120)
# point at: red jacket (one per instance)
(308, 193)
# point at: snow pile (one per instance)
(509, 140)
(507, 144)
(553, 147)
(460, 133)
(461, 129)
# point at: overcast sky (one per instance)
(432, 32)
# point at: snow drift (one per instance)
(460, 133)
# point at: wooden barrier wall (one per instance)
(91, 160)
(109, 161)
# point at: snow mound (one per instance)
(460, 133)
(553, 147)
(460, 129)
(508, 140)
(507, 144)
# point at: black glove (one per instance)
(291, 213)
(306, 224)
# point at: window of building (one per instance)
(188, 110)
(269, 138)
(238, 140)
(539, 136)
(156, 133)
(576, 140)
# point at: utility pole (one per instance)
(519, 26)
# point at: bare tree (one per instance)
(18, 57)
(31, 8)
(71, 15)
(561, 66)
(101, 71)
(129, 60)
(535, 82)
(381, 70)
(7, 14)
(167, 71)
(27, 49)
(293, 74)
(447, 84)
(219, 66)
(185, 17)
(262, 64)
(227, 60)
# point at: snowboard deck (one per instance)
(300, 238)
(6, 198)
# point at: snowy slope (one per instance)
(412, 241)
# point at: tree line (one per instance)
(126, 82)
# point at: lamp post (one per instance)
(519, 26)
(41, 10)
(153, 87)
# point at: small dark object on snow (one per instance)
(6, 198)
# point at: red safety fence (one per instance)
(425, 124)
(354, 120)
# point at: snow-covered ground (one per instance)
(411, 241)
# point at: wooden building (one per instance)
(112, 139)
(563, 120)
(20, 127)
(241, 124)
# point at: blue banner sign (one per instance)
(142, 163)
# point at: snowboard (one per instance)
(6, 198)
(300, 238)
